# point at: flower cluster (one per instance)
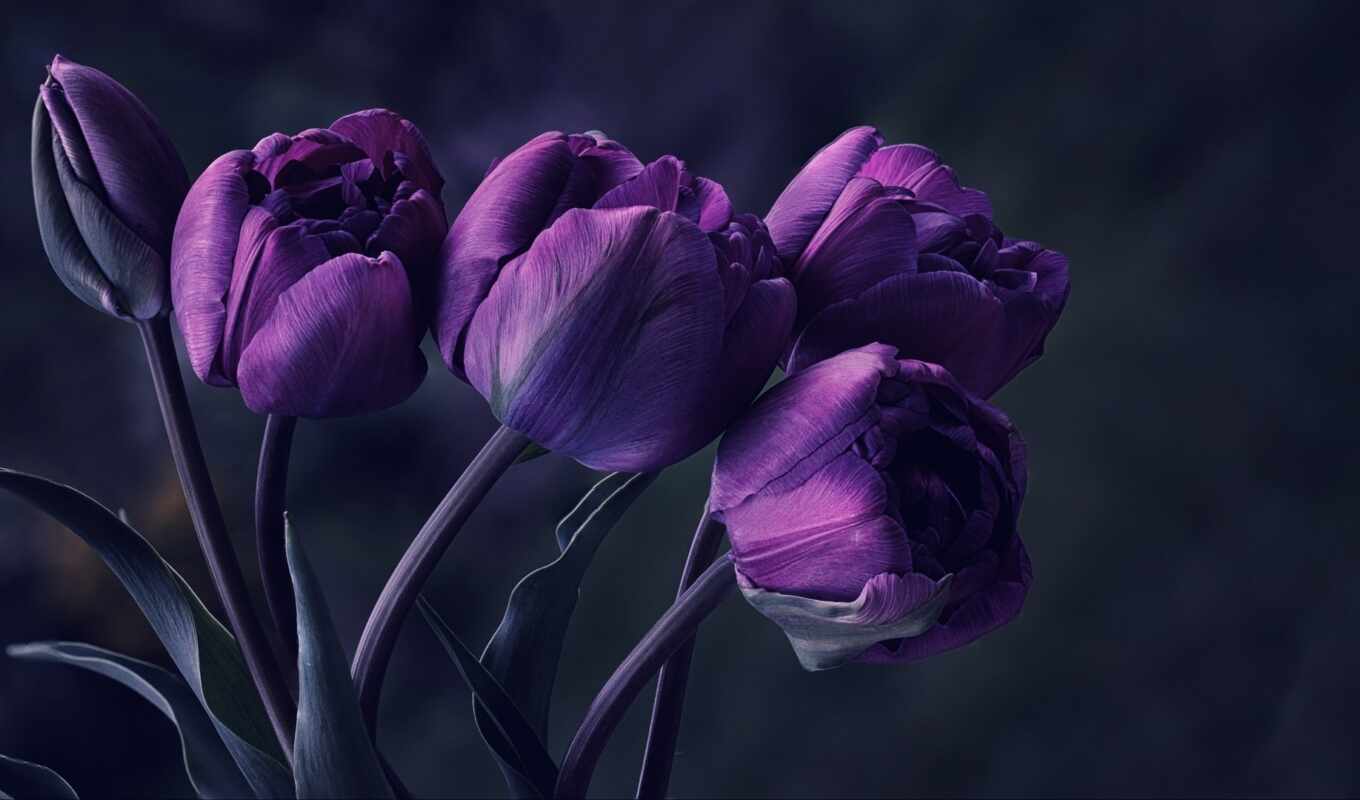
(621, 313)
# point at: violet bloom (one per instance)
(616, 313)
(298, 267)
(107, 183)
(884, 245)
(872, 505)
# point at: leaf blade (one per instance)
(211, 769)
(203, 651)
(526, 747)
(332, 753)
(24, 779)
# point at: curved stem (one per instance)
(271, 497)
(212, 529)
(675, 627)
(671, 682)
(408, 579)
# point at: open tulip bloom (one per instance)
(619, 313)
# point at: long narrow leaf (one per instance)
(524, 653)
(527, 749)
(24, 779)
(333, 755)
(211, 769)
(204, 652)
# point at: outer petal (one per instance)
(981, 334)
(824, 538)
(602, 341)
(500, 220)
(381, 132)
(984, 611)
(919, 169)
(138, 167)
(202, 255)
(343, 340)
(800, 425)
(867, 236)
(805, 202)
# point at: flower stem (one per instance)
(212, 529)
(271, 495)
(675, 627)
(673, 679)
(408, 579)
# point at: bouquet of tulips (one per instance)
(619, 313)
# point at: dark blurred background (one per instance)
(1192, 626)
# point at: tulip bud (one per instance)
(885, 245)
(872, 505)
(107, 184)
(617, 313)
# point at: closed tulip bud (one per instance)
(617, 313)
(300, 267)
(884, 245)
(107, 183)
(872, 505)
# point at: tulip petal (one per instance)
(756, 336)
(978, 614)
(868, 236)
(413, 229)
(343, 340)
(805, 202)
(983, 335)
(137, 274)
(714, 206)
(499, 221)
(601, 342)
(826, 634)
(202, 255)
(311, 154)
(269, 259)
(657, 185)
(919, 169)
(849, 541)
(380, 132)
(139, 169)
(66, 249)
(798, 427)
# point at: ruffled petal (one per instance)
(311, 154)
(341, 341)
(919, 169)
(393, 142)
(800, 425)
(202, 255)
(139, 169)
(805, 202)
(602, 341)
(867, 236)
(983, 611)
(500, 220)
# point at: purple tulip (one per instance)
(107, 183)
(885, 245)
(616, 313)
(299, 267)
(872, 506)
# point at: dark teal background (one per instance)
(1191, 516)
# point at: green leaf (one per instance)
(24, 779)
(204, 652)
(526, 747)
(333, 755)
(524, 652)
(826, 634)
(212, 771)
